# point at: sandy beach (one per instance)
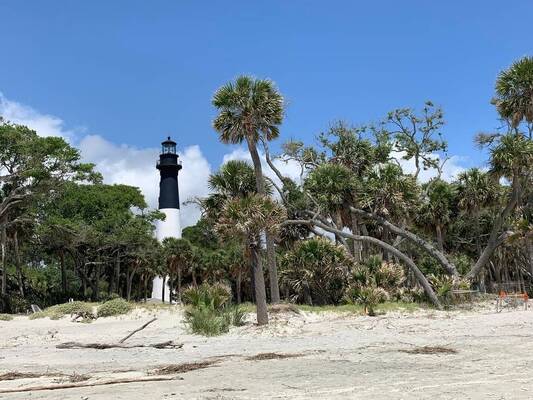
(426, 354)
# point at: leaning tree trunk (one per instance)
(259, 285)
(494, 238)
(422, 280)
(441, 258)
(271, 251)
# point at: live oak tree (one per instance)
(33, 169)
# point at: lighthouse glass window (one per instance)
(169, 148)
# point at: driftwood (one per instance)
(120, 345)
(102, 346)
(90, 384)
(136, 330)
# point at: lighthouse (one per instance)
(169, 204)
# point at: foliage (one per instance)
(374, 282)
(249, 216)
(514, 93)
(367, 296)
(114, 307)
(248, 108)
(209, 311)
(315, 271)
(58, 311)
(6, 317)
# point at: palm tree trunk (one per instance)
(271, 251)
(272, 269)
(259, 285)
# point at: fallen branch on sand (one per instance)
(136, 330)
(90, 384)
(181, 368)
(102, 346)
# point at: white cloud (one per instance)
(121, 163)
(43, 124)
(136, 167)
(452, 167)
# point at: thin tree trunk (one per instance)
(170, 289)
(3, 249)
(179, 285)
(97, 282)
(18, 264)
(272, 269)
(129, 284)
(163, 289)
(260, 293)
(238, 286)
(357, 246)
(64, 287)
(193, 273)
(440, 244)
(271, 251)
(115, 280)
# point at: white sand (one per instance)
(340, 357)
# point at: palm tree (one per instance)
(179, 257)
(436, 211)
(316, 271)
(477, 191)
(512, 159)
(251, 110)
(514, 93)
(247, 218)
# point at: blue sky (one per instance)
(133, 71)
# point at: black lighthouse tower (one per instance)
(169, 204)
(168, 166)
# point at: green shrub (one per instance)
(114, 307)
(37, 315)
(315, 271)
(216, 295)
(58, 311)
(6, 317)
(368, 296)
(209, 312)
(206, 321)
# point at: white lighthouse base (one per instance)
(157, 289)
(170, 227)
